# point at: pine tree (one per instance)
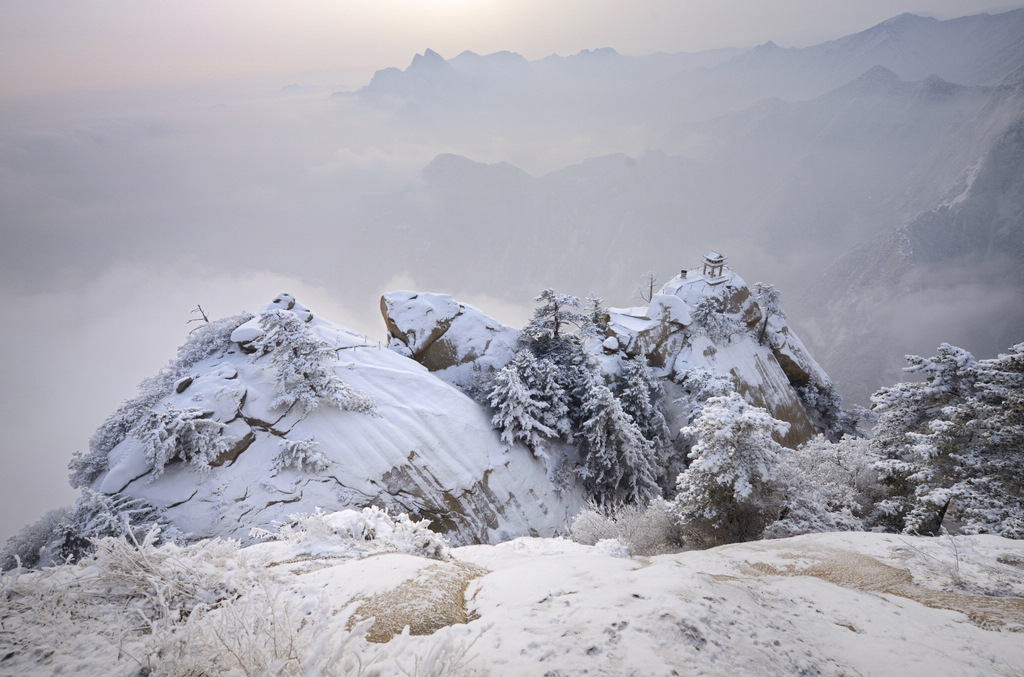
(189, 435)
(596, 316)
(768, 300)
(529, 405)
(711, 319)
(304, 364)
(824, 406)
(209, 339)
(557, 313)
(541, 375)
(618, 464)
(952, 444)
(640, 395)
(724, 496)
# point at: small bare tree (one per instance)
(204, 319)
(648, 283)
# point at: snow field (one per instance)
(829, 604)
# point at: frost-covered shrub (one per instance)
(305, 366)
(824, 486)
(189, 435)
(68, 533)
(207, 340)
(28, 544)
(168, 579)
(725, 494)
(650, 530)
(203, 609)
(356, 533)
(303, 455)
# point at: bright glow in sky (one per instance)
(48, 45)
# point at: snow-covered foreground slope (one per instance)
(831, 604)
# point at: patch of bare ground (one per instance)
(434, 599)
(867, 574)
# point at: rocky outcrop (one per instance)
(454, 340)
(675, 343)
(425, 449)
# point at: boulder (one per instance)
(452, 339)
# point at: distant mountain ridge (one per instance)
(973, 50)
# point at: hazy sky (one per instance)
(48, 45)
(85, 195)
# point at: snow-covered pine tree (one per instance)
(528, 402)
(596, 317)
(724, 496)
(640, 395)
(824, 406)
(304, 455)
(618, 461)
(189, 435)
(952, 444)
(305, 366)
(710, 318)
(903, 412)
(541, 375)
(207, 340)
(554, 315)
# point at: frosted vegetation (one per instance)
(212, 608)
(303, 364)
(363, 593)
(208, 339)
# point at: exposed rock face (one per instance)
(447, 337)
(427, 449)
(767, 375)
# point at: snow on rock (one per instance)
(449, 338)
(767, 375)
(425, 448)
(250, 331)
